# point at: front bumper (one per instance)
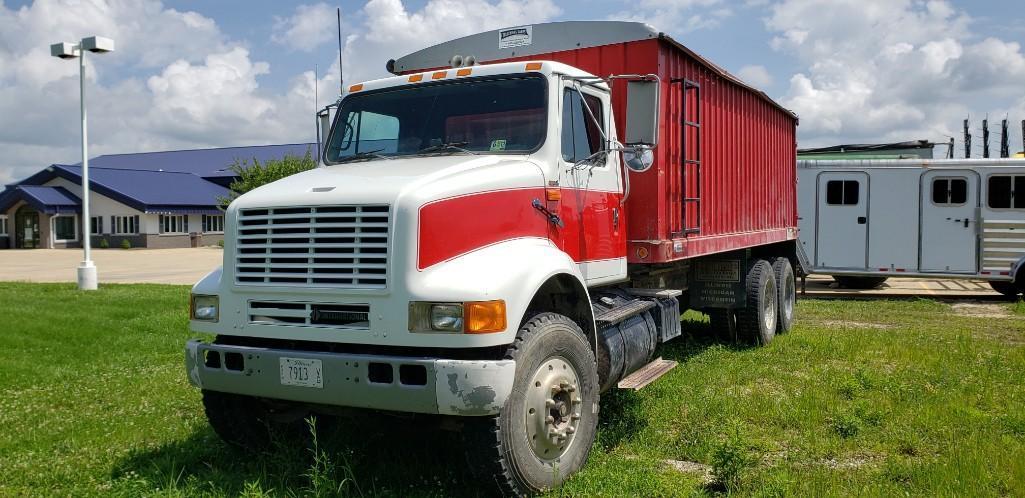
(450, 387)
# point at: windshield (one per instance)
(504, 115)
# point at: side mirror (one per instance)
(642, 113)
(638, 159)
(324, 128)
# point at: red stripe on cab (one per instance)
(458, 225)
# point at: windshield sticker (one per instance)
(498, 145)
(515, 37)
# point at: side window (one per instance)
(949, 191)
(842, 192)
(1005, 192)
(581, 136)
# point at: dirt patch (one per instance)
(981, 310)
(688, 467)
(855, 462)
(844, 324)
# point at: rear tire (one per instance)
(787, 287)
(756, 322)
(859, 283)
(723, 322)
(545, 430)
(1009, 289)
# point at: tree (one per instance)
(254, 174)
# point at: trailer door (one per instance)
(841, 235)
(950, 201)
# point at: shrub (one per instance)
(730, 460)
(104, 244)
(126, 244)
(220, 243)
(253, 175)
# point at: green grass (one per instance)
(862, 398)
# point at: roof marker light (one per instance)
(533, 66)
(355, 88)
(464, 72)
(416, 77)
(439, 75)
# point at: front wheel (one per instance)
(545, 430)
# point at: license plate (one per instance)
(302, 372)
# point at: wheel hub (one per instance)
(553, 407)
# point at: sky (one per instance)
(196, 74)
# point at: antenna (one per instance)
(950, 149)
(1005, 144)
(341, 84)
(968, 139)
(985, 137)
(1023, 135)
(316, 104)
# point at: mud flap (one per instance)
(718, 282)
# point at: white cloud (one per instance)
(878, 70)
(755, 75)
(196, 87)
(390, 30)
(678, 16)
(308, 28)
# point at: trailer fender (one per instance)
(1016, 269)
(514, 271)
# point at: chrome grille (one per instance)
(323, 246)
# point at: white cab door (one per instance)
(950, 201)
(842, 220)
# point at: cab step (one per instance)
(647, 374)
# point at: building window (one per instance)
(213, 223)
(64, 228)
(124, 225)
(96, 225)
(3, 225)
(842, 192)
(1006, 192)
(173, 223)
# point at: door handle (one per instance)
(615, 218)
(966, 222)
(862, 220)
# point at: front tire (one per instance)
(545, 430)
(249, 423)
(787, 299)
(756, 322)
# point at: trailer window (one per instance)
(842, 192)
(493, 115)
(581, 137)
(949, 191)
(1006, 192)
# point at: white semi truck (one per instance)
(485, 242)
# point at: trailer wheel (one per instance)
(247, 422)
(544, 432)
(756, 322)
(1009, 289)
(787, 299)
(860, 283)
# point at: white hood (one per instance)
(381, 181)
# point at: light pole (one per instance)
(97, 45)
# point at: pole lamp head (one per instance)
(64, 50)
(98, 44)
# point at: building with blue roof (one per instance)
(150, 199)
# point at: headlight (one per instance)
(447, 317)
(205, 308)
(474, 317)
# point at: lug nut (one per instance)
(575, 416)
(570, 430)
(549, 403)
(549, 420)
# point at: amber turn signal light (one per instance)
(484, 317)
(355, 88)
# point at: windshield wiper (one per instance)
(447, 146)
(363, 155)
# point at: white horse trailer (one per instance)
(863, 221)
